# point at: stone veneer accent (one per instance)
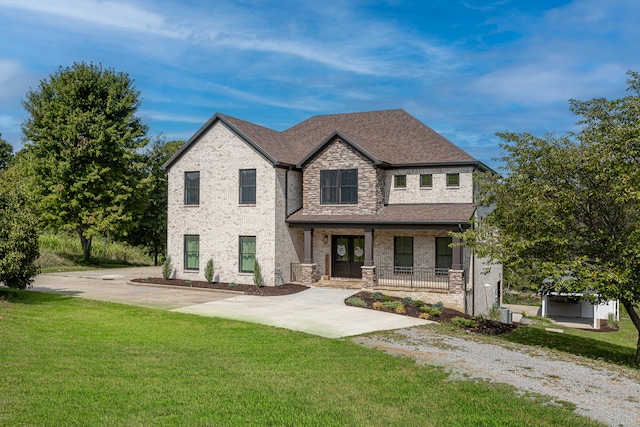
(369, 278)
(308, 274)
(340, 155)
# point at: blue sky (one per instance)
(466, 68)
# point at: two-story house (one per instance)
(368, 196)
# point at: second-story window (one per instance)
(339, 187)
(247, 186)
(453, 180)
(192, 188)
(426, 180)
(400, 181)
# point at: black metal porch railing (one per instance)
(413, 277)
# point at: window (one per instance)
(191, 252)
(339, 187)
(453, 180)
(402, 254)
(247, 253)
(248, 186)
(426, 180)
(400, 181)
(192, 188)
(444, 253)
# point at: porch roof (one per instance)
(441, 215)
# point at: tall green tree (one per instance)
(150, 230)
(6, 153)
(84, 138)
(569, 206)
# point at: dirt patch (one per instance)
(413, 309)
(265, 291)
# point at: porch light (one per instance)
(326, 239)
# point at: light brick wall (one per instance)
(438, 193)
(219, 219)
(339, 155)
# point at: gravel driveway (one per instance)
(608, 396)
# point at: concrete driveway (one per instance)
(318, 311)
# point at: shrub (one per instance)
(377, 305)
(418, 303)
(188, 282)
(377, 295)
(612, 322)
(386, 298)
(465, 323)
(439, 305)
(494, 312)
(257, 275)
(432, 311)
(425, 316)
(208, 271)
(401, 310)
(233, 285)
(392, 305)
(355, 301)
(167, 268)
(407, 301)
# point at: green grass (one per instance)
(68, 361)
(62, 252)
(617, 347)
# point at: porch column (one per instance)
(369, 278)
(309, 267)
(456, 262)
(308, 245)
(368, 246)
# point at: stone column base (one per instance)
(456, 281)
(369, 277)
(308, 274)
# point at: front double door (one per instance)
(347, 256)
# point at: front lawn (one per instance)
(67, 361)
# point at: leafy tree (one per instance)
(18, 239)
(83, 137)
(568, 206)
(151, 227)
(6, 153)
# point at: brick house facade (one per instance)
(367, 197)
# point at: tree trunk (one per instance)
(635, 318)
(86, 246)
(155, 255)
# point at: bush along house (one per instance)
(368, 198)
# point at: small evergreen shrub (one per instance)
(167, 268)
(401, 310)
(418, 303)
(439, 305)
(425, 316)
(392, 305)
(257, 275)
(407, 301)
(208, 271)
(386, 298)
(465, 323)
(233, 285)
(432, 311)
(355, 301)
(377, 295)
(377, 305)
(188, 282)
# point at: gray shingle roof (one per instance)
(392, 137)
(444, 214)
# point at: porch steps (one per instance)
(339, 284)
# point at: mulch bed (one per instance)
(484, 326)
(265, 291)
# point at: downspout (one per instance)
(286, 193)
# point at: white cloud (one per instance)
(175, 118)
(107, 13)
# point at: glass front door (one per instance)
(347, 256)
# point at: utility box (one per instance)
(506, 316)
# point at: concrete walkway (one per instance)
(318, 311)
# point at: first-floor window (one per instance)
(247, 253)
(403, 254)
(191, 252)
(444, 253)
